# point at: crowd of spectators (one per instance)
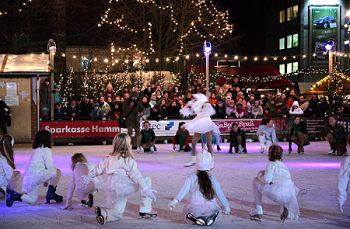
(230, 101)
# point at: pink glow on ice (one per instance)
(314, 165)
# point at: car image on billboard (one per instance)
(325, 22)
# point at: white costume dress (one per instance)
(7, 176)
(77, 184)
(123, 179)
(40, 169)
(199, 206)
(200, 107)
(277, 185)
(343, 181)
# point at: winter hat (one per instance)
(295, 103)
(204, 161)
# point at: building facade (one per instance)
(297, 30)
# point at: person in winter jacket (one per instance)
(182, 139)
(123, 180)
(336, 137)
(298, 135)
(237, 139)
(148, 138)
(275, 182)
(202, 208)
(295, 109)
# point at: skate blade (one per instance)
(147, 215)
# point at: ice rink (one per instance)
(315, 173)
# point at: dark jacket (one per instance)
(233, 137)
(147, 136)
(338, 132)
(296, 128)
(131, 109)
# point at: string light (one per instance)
(24, 4)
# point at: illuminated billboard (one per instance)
(325, 24)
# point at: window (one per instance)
(282, 16)
(289, 41)
(295, 11)
(295, 66)
(282, 68)
(295, 40)
(85, 63)
(289, 67)
(282, 41)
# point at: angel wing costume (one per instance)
(200, 107)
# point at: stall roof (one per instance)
(24, 64)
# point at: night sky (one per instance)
(247, 16)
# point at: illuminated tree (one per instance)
(166, 28)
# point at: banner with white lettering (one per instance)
(81, 129)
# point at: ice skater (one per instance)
(9, 176)
(203, 208)
(275, 183)
(80, 168)
(123, 180)
(343, 182)
(182, 139)
(237, 139)
(267, 134)
(40, 170)
(201, 124)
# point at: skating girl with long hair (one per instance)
(123, 179)
(80, 168)
(203, 208)
(41, 170)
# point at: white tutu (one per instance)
(202, 125)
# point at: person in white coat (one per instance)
(343, 182)
(275, 183)
(202, 208)
(80, 168)
(9, 176)
(266, 134)
(41, 170)
(123, 180)
(200, 107)
(295, 109)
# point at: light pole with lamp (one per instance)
(207, 51)
(330, 47)
(51, 48)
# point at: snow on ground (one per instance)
(315, 173)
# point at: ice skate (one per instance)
(284, 214)
(192, 162)
(331, 152)
(51, 195)
(90, 201)
(99, 217)
(195, 220)
(218, 148)
(211, 219)
(240, 149)
(139, 150)
(262, 149)
(12, 196)
(148, 215)
(254, 216)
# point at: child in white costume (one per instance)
(8, 175)
(276, 184)
(80, 168)
(343, 182)
(123, 180)
(203, 208)
(267, 134)
(40, 170)
(201, 124)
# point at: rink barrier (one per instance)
(104, 130)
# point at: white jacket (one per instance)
(39, 170)
(120, 173)
(197, 198)
(277, 173)
(6, 172)
(343, 181)
(77, 184)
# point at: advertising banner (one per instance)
(324, 25)
(81, 129)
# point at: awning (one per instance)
(24, 64)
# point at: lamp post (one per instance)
(51, 48)
(207, 51)
(330, 47)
